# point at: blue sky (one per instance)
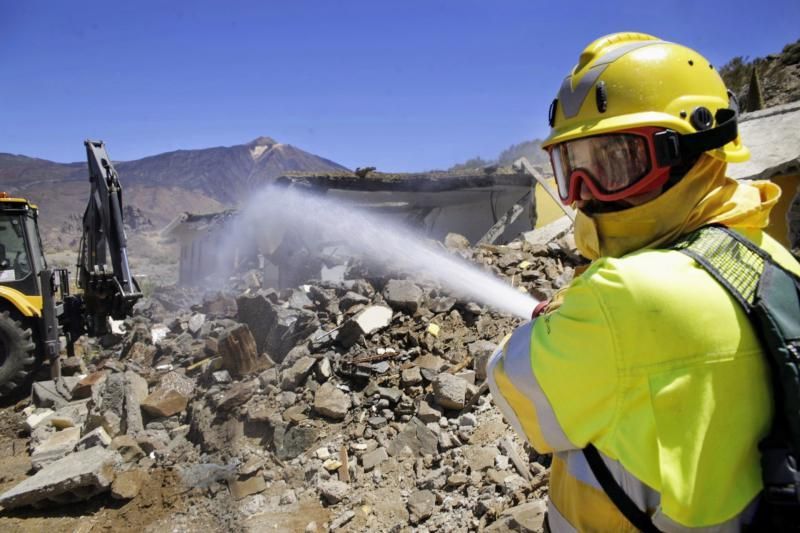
(400, 85)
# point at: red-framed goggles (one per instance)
(612, 166)
(625, 163)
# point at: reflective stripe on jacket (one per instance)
(653, 362)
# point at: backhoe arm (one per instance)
(106, 293)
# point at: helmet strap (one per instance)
(672, 147)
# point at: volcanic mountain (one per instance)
(163, 185)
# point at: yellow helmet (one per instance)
(630, 80)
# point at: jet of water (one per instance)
(313, 218)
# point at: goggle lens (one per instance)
(613, 162)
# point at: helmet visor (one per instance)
(613, 162)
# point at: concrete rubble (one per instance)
(361, 393)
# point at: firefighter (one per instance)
(645, 360)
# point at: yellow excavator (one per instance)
(36, 306)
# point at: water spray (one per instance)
(274, 211)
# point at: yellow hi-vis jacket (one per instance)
(652, 361)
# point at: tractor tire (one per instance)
(17, 354)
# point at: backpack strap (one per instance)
(640, 519)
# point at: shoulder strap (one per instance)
(640, 519)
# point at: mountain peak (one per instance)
(262, 141)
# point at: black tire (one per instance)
(17, 354)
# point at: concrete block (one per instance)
(57, 446)
(77, 477)
(96, 437)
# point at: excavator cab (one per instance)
(35, 303)
(21, 261)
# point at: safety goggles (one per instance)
(612, 166)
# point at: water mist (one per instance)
(314, 218)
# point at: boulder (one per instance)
(331, 402)
(403, 295)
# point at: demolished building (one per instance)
(773, 137)
(469, 202)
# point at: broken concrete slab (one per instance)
(370, 320)
(135, 392)
(54, 448)
(96, 437)
(76, 477)
(50, 394)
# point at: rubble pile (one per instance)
(362, 396)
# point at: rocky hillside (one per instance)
(159, 186)
(778, 77)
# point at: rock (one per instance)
(196, 322)
(292, 377)
(170, 396)
(421, 505)
(374, 458)
(84, 387)
(411, 376)
(54, 448)
(526, 518)
(77, 477)
(48, 394)
(480, 458)
(33, 420)
(350, 299)
(428, 413)
(71, 366)
(333, 491)
(288, 498)
(430, 362)
(135, 393)
(126, 485)
(96, 437)
(127, 448)
(219, 306)
(481, 351)
(332, 464)
(370, 320)
(237, 395)
(417, 437)
(221, 377)
(456, 241)
(165, 402)
(468, 420)
(443, 304)
(342, 519)
(450, 391)
(457, 480)
(323, 369)
(247, 487)
(331, 402)
(238, 350)
(403, 295)
(294, 441)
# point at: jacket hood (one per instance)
(704, 196)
